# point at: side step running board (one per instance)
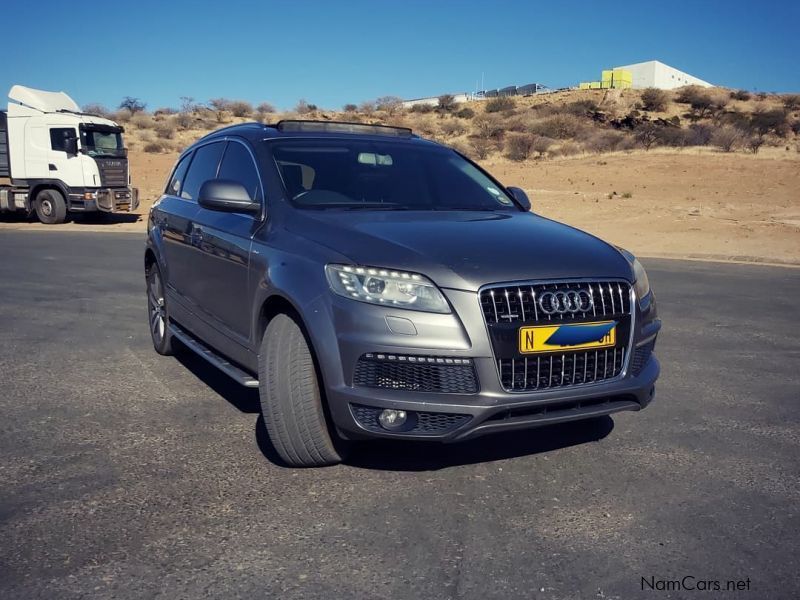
(215, 359)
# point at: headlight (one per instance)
(386, 287)
(641, 283)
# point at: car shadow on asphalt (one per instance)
(389, 455)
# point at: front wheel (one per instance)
(157, 312)
(291, 401)
(50, 206)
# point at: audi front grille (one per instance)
(507, 308)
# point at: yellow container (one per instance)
(606, 75)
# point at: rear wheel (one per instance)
(50, 206)
(291, 401)
(157, 314)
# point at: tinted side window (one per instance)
(178, 175)
(58, 135)
(237, 165)
(203, 167)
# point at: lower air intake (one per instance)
(435, 374)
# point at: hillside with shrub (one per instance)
(538, 127)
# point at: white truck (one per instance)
(56, 160)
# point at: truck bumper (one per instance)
(114, 200)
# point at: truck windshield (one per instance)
(105, 141)
(376, 175)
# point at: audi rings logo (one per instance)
(567, 301)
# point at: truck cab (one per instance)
(56, 160)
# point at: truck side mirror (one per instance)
(521, 197)
(71, 146)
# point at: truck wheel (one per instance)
(51, 207)
(157, 314)
(290, 398)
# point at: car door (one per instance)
(225, 241)
(173, 215)
(181, 241)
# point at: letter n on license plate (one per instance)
(567, 336)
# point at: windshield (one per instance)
(105, 141)
(355, 174)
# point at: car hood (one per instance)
(463, 249)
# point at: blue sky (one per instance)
(336, 52)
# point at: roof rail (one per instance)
(297, 125)
(234, 126)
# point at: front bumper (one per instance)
(114, 200)
(354, 329)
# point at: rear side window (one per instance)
(175, 182)
(238, 165)
(204, 167)
(58, 137)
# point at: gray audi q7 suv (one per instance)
(373, 284)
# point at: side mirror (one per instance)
(521, 197)
(227, 196)
(71, 146)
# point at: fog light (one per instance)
(392, 419)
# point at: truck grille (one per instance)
(507, 308)
(113, 171)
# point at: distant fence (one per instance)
(511, 90)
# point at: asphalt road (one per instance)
(128, 475)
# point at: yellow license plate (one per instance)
(567, 336)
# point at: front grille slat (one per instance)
(506, 308)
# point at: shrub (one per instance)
(153, 147)
(367, 107)
(220, 106)
(791, 101)
(726, 137)
(390, 104)
(465, 113)
(764, 121)
(754, 142)
(654, 100)
(688, 94)
(165, 130)
(646, 134)
(482, 147)
(95, 109)
(463, 148)
(488, 126)
(183, 120)
(240, 108)
(795, 127)
(519, 145)
(350, 108)
(303, 107)
(560, 127)
(422, 108)
(134, 105)
(604, 141)
(673, 136)
(165, 111)
(740, 95)
(568, 148)
(447, 103)
(579, 108)
(453, 127)
(500, 104)
(142, 121)
(541, 144)
(700, 135)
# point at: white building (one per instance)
(658, 75)
(434, 100)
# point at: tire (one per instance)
(157, 315)
(50, 206)
(291, 401)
